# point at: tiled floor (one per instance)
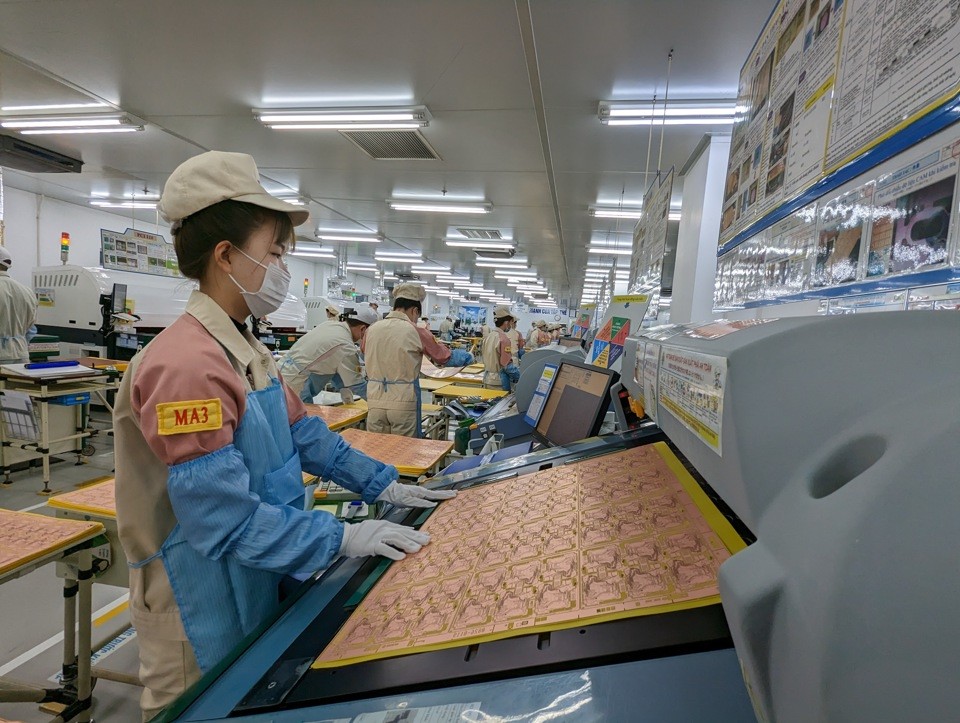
(31, 607)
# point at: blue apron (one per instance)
(222, 601)
(416, 390)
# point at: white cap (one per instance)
(411, 291)
(5, 258)
(502, 312)
(363, 313)
(217, 176)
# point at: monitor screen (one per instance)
(118, 299)
(577, 403)
(570, 341)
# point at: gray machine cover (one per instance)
(841, 451)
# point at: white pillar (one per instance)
(696, 266)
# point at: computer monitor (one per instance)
(577, 403)
(570, 341)
(118, 299)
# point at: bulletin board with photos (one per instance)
(826, 82)
(138, 251)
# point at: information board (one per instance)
(139, 251)
(826, 81)
(650, 235)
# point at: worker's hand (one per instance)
(379, 537)
(413, 496)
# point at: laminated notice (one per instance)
(690, 386)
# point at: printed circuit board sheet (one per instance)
(25, 536)
(617, 536)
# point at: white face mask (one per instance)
(272, 292)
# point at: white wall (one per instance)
(38, 244)
(696, 265)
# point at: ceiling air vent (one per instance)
(406, 276)
(393, 145)
(495, 253)
(487, 234)
(22, 156)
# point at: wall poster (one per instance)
(140, 251)
(826, 81)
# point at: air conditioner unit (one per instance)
(406, 276)
(19, 155)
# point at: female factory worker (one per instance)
(394, 350)
(210, 444)
(499, 368)
(328, 353)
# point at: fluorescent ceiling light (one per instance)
(610, 252)
(431, 269)
(124, 204)
(349, 238)
(313, 255)
(499, 265)
(362, 264)
(56, 131)
(399, 257)
(437, 207)
(344, 119)
(468, 244)
(78, 123)
(505, 261)
(616, 213)
(61, 123)
(703, 112)
(670, 121)
(53, 106)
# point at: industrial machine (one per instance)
(838, 472)
(76, 305)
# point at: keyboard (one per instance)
(328, 491)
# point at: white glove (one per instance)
(379, 537)
(413, 495)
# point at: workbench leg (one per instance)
(45, 445)
(78, 427)
(68, 671)
(85, 614)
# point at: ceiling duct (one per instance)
(486, 234)
(23, 156)
(392, 145)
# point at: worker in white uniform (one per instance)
(446, 329)
(332, 311)
(329, 353)
(499, 371)
(393, 351)
(211, 445)
(18, 310)
(532, 336)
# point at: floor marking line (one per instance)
(53, 640)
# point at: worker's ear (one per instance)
(220, 257)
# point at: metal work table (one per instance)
(42, 392)
(28, 542)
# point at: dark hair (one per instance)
(354, 323)
(234, 221)
(500, 322)
(404, 304)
